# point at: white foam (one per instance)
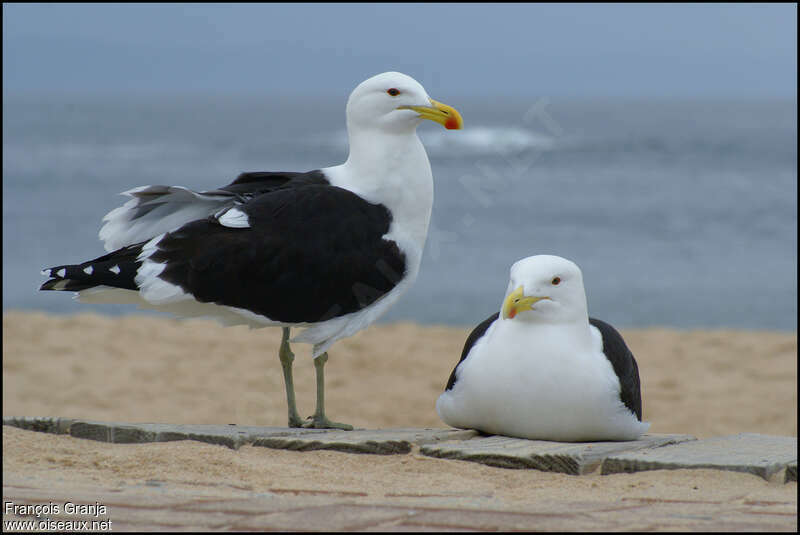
(474, 140)
(486, 140)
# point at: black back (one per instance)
(255, 183)
(317, 252)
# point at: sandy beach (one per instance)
(144, 369)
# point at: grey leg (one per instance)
(319, 420)
(287, 357)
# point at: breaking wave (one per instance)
(476, 140)
(485, 140)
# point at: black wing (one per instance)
(116, 269)
(152, 205)
(624, 365)
(476, 333)
(311, 252)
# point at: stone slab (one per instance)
(232, 436)
(375, 441)
(58, 426)
(762, 455)
(567, 457)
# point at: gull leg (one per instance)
(319, 420)
(287, 357)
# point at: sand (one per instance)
(145, 369)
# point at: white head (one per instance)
(546, 289)
(395, 102)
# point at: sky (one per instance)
(572, 50)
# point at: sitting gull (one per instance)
(541, 368)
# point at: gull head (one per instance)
(395, 102)
(545, 288)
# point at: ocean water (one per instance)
(680, 213)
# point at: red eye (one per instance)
(394, 92)
(556, 281)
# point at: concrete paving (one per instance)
(159, 505)
(762, 455)
(375, 441)
(567, 457)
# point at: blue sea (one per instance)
(680, 213)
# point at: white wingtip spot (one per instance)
(61, 272)
(46, 273)
(115, 270)
(88, 270)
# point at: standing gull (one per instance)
(329, 250)
(541, 368)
